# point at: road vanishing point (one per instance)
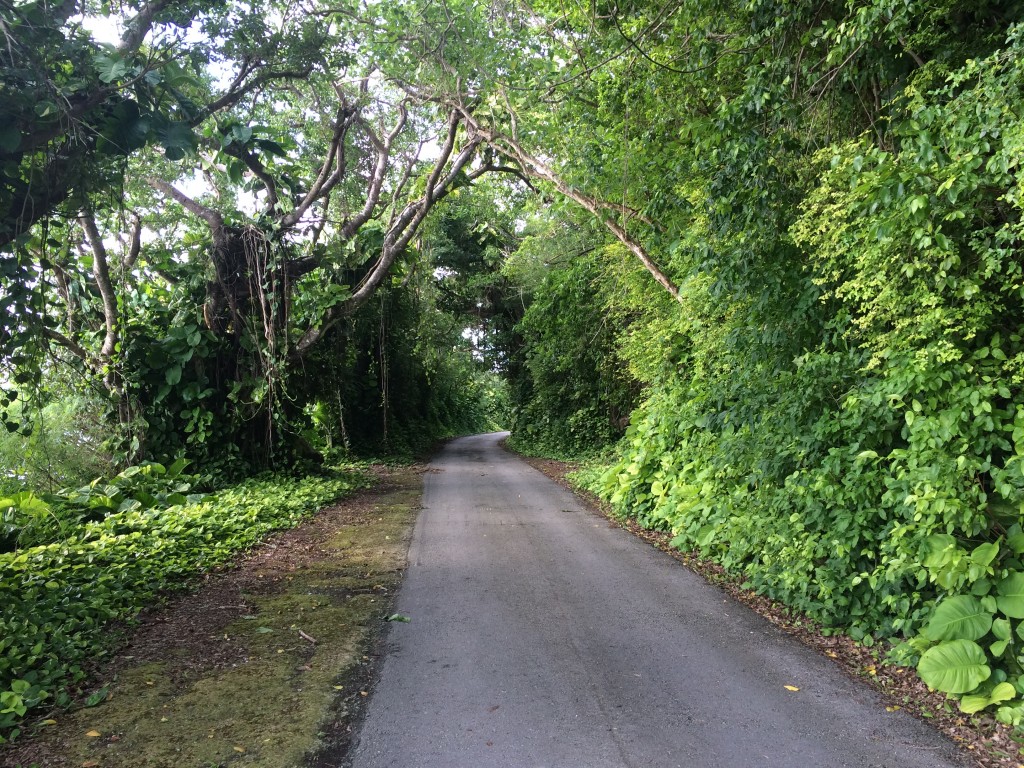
(542, 636)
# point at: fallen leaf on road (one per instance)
(791, 688)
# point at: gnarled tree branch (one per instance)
(532, 165)
(101, 271)
(448, 167)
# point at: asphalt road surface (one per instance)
(543, 637)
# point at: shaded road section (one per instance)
(541, 636)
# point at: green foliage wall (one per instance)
(572, 394)
(845, 430)
(571, 387)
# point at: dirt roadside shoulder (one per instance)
(267, 664)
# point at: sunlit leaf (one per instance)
(955, 666)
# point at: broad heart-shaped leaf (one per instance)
(1010, 595)
(984, 554)
(1001, 629)
(998, 648)
(10, 138)
(1015, 539)
(110, 67)
(1002, 692)
(176, 137)
(124, 130)
(937, 550)
(961, 617)
(957, 666)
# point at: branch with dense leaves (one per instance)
(385, 175)
(58, 157)
(537, 168)
(533, 166)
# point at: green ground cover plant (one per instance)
(57, 600)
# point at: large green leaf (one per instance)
(125, 129)
(177, 138)
(1015, 541)
(959, 618)
(984, 554)
(1010, 595)
(110, 66)
(957, 666)
(937, 549)
(10, 138)
(1002, 692)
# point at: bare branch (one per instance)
(136, 243)
(407, 223)
(238, 91)
(534, 166)
(210, 216)
(102, 273)
(406, 175)
(258, 169)
(402, 228)
(137, 29)
(60, 276)
(69, 344)
(329, 175)
(352, 225)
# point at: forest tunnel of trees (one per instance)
(760, 261)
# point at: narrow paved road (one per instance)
(541, 636)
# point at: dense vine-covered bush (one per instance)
(872, 476)
(572, 393)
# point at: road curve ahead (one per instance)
(543, 637)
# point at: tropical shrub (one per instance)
(870, 475)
